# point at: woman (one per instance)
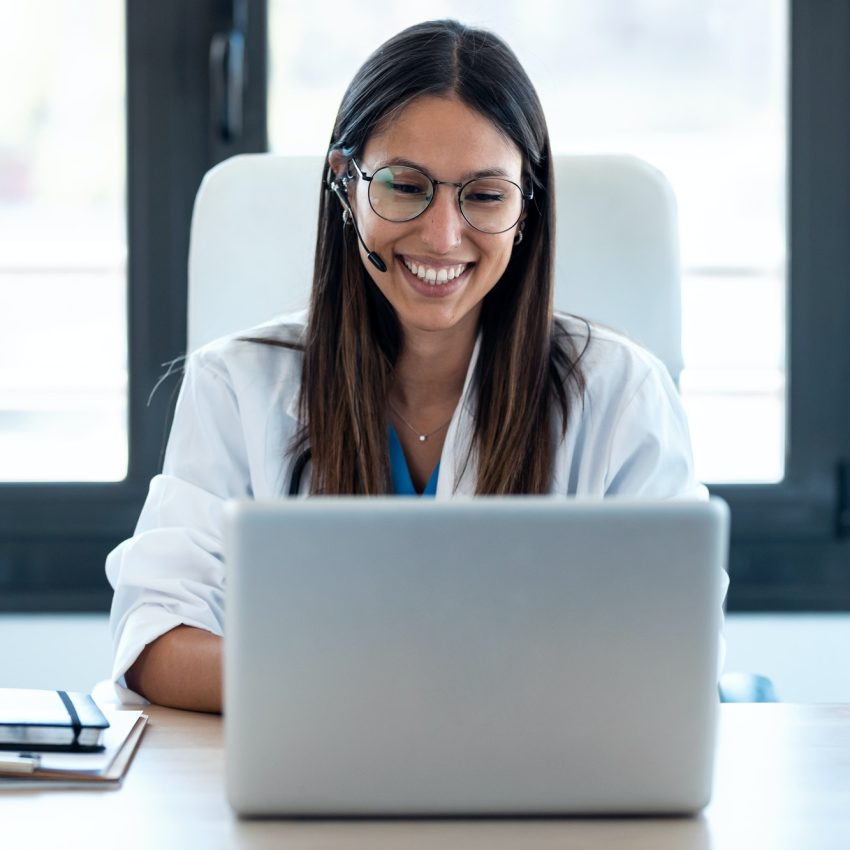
(430, 361)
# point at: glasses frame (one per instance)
(367, 178)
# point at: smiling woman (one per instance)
(430, 361)
(423, 227)
(426, 100)
(430, 229)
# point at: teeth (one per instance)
(435, 276)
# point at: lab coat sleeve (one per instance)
(649, 453)
(171, 571)
(650, 457)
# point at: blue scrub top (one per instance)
(402, 482)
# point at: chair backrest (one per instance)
(254, 233)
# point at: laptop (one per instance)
(486, 656)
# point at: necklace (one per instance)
(420, 436)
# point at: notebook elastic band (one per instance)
(72, 712)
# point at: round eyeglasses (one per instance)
(401, 193)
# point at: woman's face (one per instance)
(448, 141)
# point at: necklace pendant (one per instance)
(423, 438)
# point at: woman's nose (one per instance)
(442, 222)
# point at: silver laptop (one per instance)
(486, 656)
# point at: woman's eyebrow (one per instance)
(473, 175)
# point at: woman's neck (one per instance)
(431, 370)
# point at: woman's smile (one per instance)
(434, 278)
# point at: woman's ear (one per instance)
(338, 163)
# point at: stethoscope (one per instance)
(297, 471)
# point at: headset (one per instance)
(340, 188)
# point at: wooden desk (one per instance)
(782, 783)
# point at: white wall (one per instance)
(807, 656)
(69, 652)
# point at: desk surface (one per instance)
(782, 781)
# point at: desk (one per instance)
(782, 783)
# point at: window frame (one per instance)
(54, 537)
(790, 541)
(790, 545)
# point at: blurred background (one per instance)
(112, 112)
(697, 89)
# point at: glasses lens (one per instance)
(491, 204)
(398, 193)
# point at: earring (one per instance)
(518, 237)
(346, 217)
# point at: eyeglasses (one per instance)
(401, 193)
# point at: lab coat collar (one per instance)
(456, 476)
(459, 478)
(293, 407)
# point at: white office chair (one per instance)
(254, 233)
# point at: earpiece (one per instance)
(339, 188)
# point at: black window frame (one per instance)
(54, 537)
(790, 541)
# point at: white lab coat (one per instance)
(238, 409)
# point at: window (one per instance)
(699, 91)
(101, 154)
(63, 246)
(778, 141)
(738, 105)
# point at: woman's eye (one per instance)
(405, 188)
(485, 197)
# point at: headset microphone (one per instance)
(376, 261)
(371, 256)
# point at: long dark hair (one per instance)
(527, 371)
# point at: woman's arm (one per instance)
(649, 447)
(180, 669)
(171, 572)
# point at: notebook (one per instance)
(472, 657)
(60, 770)
(49, 720)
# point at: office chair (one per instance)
(617, 261)
(254, 231)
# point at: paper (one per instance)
(120, 725)
(105, 767)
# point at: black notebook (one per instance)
(50, 721)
